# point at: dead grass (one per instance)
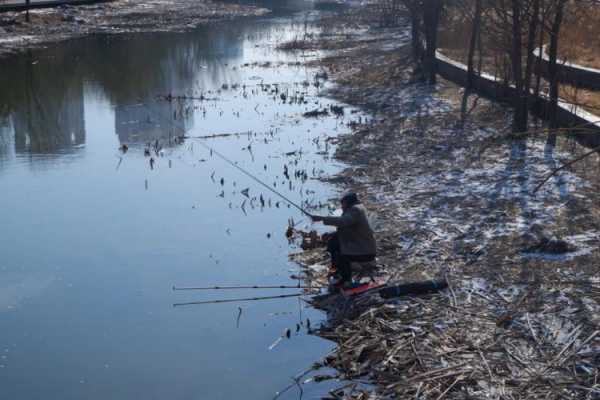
(580, 37)
(580, 44)
(579, 41)
(512, 326)
(589, 100)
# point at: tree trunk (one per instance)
(431, 18)
(538, 64)
(552, 63)
(520, 98)
(474, 36)
(532, 34)
(417, 44)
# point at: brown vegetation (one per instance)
(496, 49)
(453, 194)
(580, 38)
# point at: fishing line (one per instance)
(235, 165)
(247, 287)
(235, 300)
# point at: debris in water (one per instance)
(289, 232)
(237, 322)
(276, 342)
(338, 111)
(316, 113)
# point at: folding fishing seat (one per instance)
(365, 269)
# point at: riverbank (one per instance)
(121, 16)
(455, 195)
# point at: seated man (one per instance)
(353, 240)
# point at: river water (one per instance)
(93, 239)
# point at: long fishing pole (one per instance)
(235, 165)
(227, 160)
(247, 287)
(236, 300)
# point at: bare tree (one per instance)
(425, 21)
(475, 38)
(516, 28)
(552, 61)
(431, 21)
(416, 21)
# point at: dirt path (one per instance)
(55, 24)
(453, 194)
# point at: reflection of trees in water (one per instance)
(133, 70)
(130, 68)
(139, 123)
(6, 139)
(45, 99)
(46, 123)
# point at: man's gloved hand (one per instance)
(332, 271)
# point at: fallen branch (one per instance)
(557, 170)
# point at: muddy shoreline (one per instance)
(453, 195)
(52, 25)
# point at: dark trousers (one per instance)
(341, 262)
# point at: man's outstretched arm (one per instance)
(348, 219)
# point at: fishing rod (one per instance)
(235, 165)
(247, 287)
(236, 300)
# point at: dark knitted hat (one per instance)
(350, 198)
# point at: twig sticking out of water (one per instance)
(237, 322)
